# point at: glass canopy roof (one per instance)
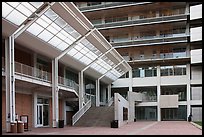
(51, 28)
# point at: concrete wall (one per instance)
(196, 56)
(119, 103)
(123, 82)
(132, 97)
(173, 80)
(146, 81)
(196, 12)
(196, 93)
(23, 107)
(196, 74)
(196, 34)
(168, 101)
(196, 113)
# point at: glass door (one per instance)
(39, 115)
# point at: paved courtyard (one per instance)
(133, 128)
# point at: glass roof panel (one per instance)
(35, 29)
(69, 41)
(62, 46)
(45, 35)
(42, 22)
(55, 41)
(36, 4)
(72, 52)
(6, 9)
(30, 5)
(13, 4)
(60, 22)
(52, 30)
(24, 10)
(78, 55)
(51, 14)
(14, 15)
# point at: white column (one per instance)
(158, 94)
(109, 91)
(97, 93)
(130, 80)
(55, 89)
(81, 88)
(65, 109)
(188, 89)
(10, 81)
(35, 109)
(104, 95)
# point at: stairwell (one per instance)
(97, 117)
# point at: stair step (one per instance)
(97, 116)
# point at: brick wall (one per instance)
(23, 107)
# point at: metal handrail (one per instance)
(40, 74)
(110, 101)
(81, 111)
(140, 21)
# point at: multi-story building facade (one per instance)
(162, 42)
(51, 57)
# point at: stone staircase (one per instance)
(97, 117)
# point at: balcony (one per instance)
(106, 5)
(37, 74)
(152, 40)
(162, 19)
(160, 57)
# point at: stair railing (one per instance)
(81, 111)
(110, 101)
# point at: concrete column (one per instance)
(158, 94)
(109, 91)
(35, 64)
(35, 109)
(65, 109)
(81, 89)
(187, 8)
(104, 94)
(188, 73)
(187, 29)
(97, 93)
(10, 81)
(55, 89)
(130, 80)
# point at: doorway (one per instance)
(42, 112)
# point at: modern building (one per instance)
(59, 60)
(162, 42)
(53, 59)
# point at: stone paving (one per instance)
(132, 128)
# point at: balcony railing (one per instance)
(177, 17)
(81, 111)
(108, 5)
(152, 40)
(41, 75)
(162, 56)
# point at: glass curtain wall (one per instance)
(146, 113)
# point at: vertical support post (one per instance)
(97, 93)
(188, 89)
(35, 65)
(104, 95)
(55, 89)
(109, 91)
(10, 81)
(35, 108)
(130, 79)
(81, 89)
(158, 94)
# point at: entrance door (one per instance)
(39, 115)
